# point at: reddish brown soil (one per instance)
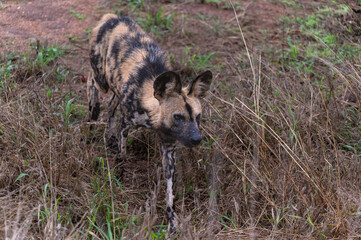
(263, 14)
(192, 8)
(52, 21)
(44, 20)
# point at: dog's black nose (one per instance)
(196, 139)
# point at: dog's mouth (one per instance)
(190, 143)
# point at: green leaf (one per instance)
(69, 108)
(45, 189)
(20, 176)
(101, 231)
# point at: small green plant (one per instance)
(77, 15)
(68, 110)
(73, 38)
(228, 222)
(88, 32)
(61, 73)
(278, 216)
(1, 132)
(323, 43)
(197, 61)
(208, 142)
(47, 55)
(6, 75)
(224, 4)
(44, 56)
(290, 3)
(157, 23)
(136, 4)
(293, 49)
(48, 92)
(48, 210)
(160, 234)
(35, 60)
(309, 220)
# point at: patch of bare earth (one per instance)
(44, 20)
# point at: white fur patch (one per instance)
(141, 119)
(170, 195)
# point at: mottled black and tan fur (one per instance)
(126, 61)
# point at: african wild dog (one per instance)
(126, 61)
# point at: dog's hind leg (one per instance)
(123, 139)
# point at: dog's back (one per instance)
(124, 58)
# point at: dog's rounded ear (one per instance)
(166, 84)
(200, 85)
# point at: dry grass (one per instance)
(280, 159)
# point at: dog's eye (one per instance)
(178, 117)
(198, 119)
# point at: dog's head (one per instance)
(180, 107)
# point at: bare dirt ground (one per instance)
(52, 21)
(43, 20)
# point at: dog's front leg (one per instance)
(123, 139)
(168, 167)
(113, 126)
